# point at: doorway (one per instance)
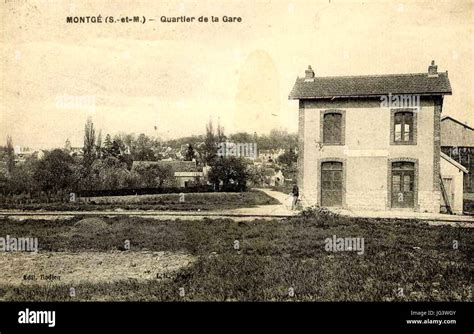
(403, 185)
(331, 184)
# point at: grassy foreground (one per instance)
(402, 260)
(173, 202)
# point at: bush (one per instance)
(321, 216)
(145, 191)
(55, 172)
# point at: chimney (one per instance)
(309, 74)
(433, 69)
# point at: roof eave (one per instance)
(454, 163)
(293, 97)
(456, 121)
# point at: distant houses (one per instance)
(273, 177)
(23, 153)
(186, 173)
(172, 157)
(247, 151)
(270, 156)
(73, 151)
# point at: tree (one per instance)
(107, 142)
(55, 172)
(277, 139)
(210, 147)
(231, 172)
(242, 137)
(10, 156)
(220, 133)
(21, 180)
(143, 150)
(98, 144)
(111, 147)
(189, 154)
(89, 145)
(256, 175)
(288, 158)
(115, 149)
(125, 140)
(109, 173)
(121, 146)
(154, 176)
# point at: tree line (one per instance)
(107, 163)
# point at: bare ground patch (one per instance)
(42, 217)
(89, 267)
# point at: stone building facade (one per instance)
(371, 142)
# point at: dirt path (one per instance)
(262, 211)
(276, 211)
(93, 267)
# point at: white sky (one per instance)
(175, 76)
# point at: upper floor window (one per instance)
(403, 127)
(333, 128)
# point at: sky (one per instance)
(170, 79)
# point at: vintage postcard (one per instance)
(237, 151)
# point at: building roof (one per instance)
(454, 163)
(371, 85)
(447, 118)
(175, 165)
(455, 133)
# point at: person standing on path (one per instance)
(295, 192)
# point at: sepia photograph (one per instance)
(188, 158)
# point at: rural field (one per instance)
(225, 260)
(169, 202)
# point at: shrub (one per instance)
(320, 216)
